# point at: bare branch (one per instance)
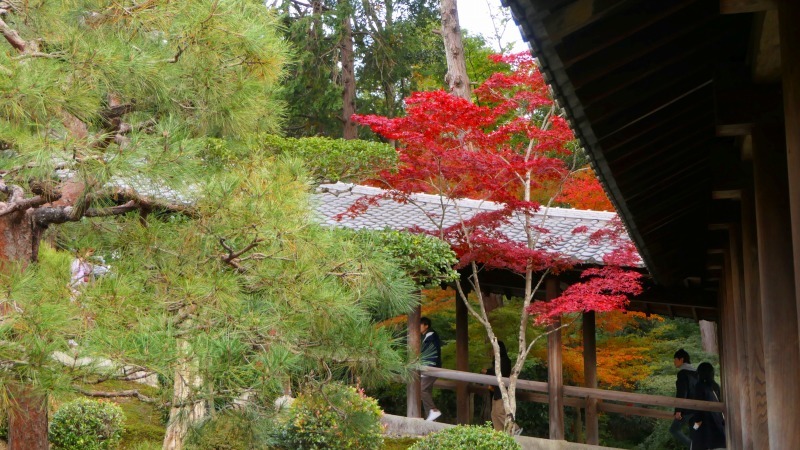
(13, 37)
(175, 58)
(232, 258)
(22, 205)
(57, 55)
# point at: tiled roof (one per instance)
(331, 200)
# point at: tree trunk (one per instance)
(27, 418)
(185, 411)
(348, 80)
(456, 78)
(708, 336)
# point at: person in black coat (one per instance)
(684, 388)
(498, 410)
(708, 430)
(431, 356)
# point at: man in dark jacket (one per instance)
(684, 387)
(431, 356)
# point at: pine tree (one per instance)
(134, 126)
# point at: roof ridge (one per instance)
(553, 211)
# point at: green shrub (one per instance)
(333, 160)
(472, 437)
(85, 424)
(235, 430)
(335, 417)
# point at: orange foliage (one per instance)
(433, 301)
(622, 361)
(616, 321)
(583, 191)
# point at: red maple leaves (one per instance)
(505, 146)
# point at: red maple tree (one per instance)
(504, 147)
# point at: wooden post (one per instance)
(777, 285)
(730, 365)
(555, 380)
(788, 18)
(740, 325)
(413, 389)
(590, 376)
(462, 361)
(759, 430)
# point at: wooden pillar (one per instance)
(555, 380)
(590, 376)
(778, 298)
(413, 388)
(462, 361)
(789, 18)
(730, 374)
(752, 311)
(740, 326)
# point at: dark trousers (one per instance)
(676, 430)
(427, 394)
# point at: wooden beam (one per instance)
(462, 361)
(746, 6)
(555, 380)
(620, 27)
(726, 194)
(766, 65)
(413, 388)
(577, 15)
(777, 286)
(579, 392)
(590, 376)
(734, 129)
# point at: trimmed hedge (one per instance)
(86, 424)
(332, 160)
(472, 437)
(337, 416)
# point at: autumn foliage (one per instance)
(508, 147)
(583, 191)
(508, 144)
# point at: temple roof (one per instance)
(426, 211)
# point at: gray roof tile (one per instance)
(425, 210)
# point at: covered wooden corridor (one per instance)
(690, 112)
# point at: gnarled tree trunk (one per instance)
(456, 78)
(27, 415)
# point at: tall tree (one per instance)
(456, 78)
(501, 151)
(347, 53)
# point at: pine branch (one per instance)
(233, 256)
(25, 204)
(115, 394)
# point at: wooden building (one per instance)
(690, 110)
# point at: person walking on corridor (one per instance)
(708, 428)
(431, 356)
(684, 388)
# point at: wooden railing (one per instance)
(576, 396)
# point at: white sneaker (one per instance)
(433, 415)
